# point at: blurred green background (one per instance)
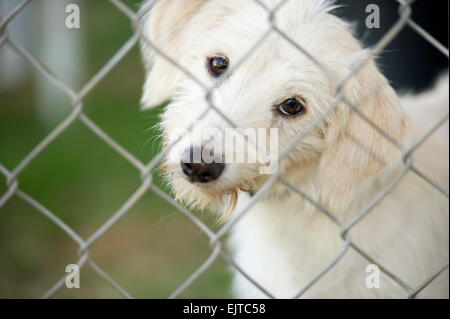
(154, 248)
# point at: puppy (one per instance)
(342, 163)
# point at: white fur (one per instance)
(284, 241)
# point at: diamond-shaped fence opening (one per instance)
(146, 169)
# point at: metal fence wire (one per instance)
(12, 176)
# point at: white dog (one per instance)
(343, 163)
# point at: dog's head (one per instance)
(263, 84)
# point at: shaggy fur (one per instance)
(284, 241)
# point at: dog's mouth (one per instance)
(213, 174)
(221, 193)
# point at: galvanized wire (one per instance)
(145, 170)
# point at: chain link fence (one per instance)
(146, 169)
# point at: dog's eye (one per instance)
(217, 65)
(292, 106)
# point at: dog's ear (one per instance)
(357, 151)
(167, 27)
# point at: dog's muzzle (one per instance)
(200, 171)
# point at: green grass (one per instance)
(154, 248)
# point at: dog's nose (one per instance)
(200, 172)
